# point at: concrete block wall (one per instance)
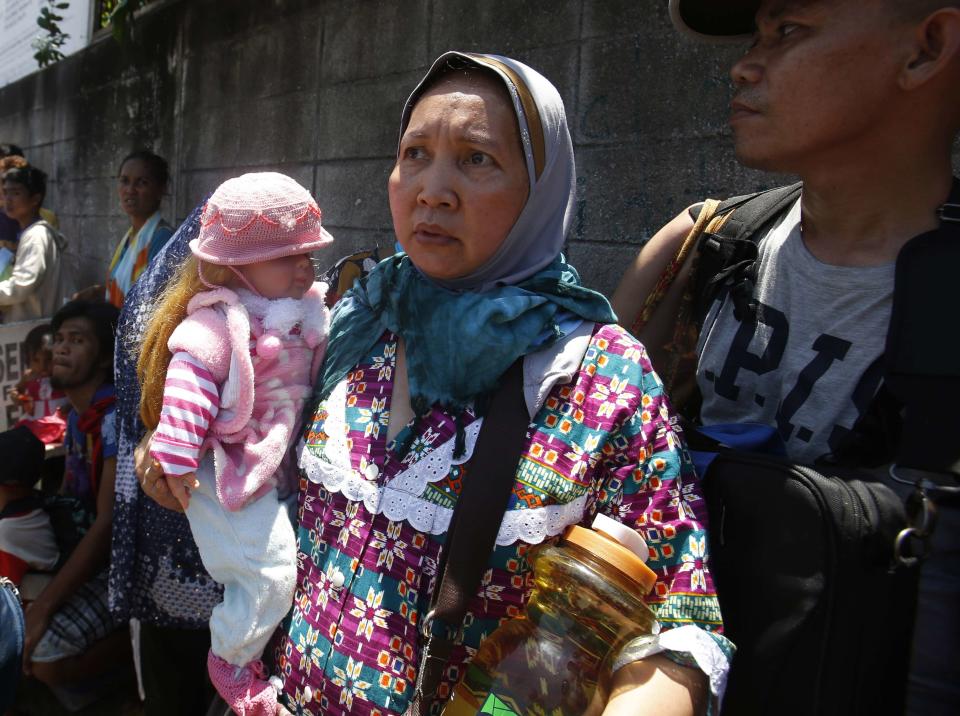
(314, 88)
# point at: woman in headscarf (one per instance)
(482, 196)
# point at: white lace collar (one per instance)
(402, 499)
(281, 315)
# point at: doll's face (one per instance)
(285, 277)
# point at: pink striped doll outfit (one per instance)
(241, 369)
(242, 363)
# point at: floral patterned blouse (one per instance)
(372, 523)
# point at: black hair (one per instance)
(10, 150)
(37, 339)
(158, 165)
(30, 177)
(103, 317)
(22, 455)
(919, 9)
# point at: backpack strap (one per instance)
(723, 241)
(727, 256)
(678, 371)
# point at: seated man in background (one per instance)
(71, 636)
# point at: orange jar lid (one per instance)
(614, 554)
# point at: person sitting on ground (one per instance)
(71, 635)
(34, 288)
(860, 101)
(27, 540)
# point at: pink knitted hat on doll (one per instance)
(258, 217)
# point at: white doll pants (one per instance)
(252, 552)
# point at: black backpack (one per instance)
(812, 593)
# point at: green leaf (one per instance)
(47, 20)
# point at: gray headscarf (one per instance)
(537, 237)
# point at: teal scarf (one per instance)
(457, 344)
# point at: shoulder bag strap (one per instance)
(912, 420)
(723, 225)
(922, 369)
(471, 537)
(706, 212)
(679, 349)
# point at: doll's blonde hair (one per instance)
(169, 312)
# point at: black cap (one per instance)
(10, 150)
(21, 457)
(714, 19)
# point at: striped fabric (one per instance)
(191, 401)
(132, 255)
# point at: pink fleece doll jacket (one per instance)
(265, 355)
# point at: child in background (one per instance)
(239, 335)
(26, 537)
(37, 397)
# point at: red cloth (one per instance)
(12, 567)
(49, 429)
(89, 422)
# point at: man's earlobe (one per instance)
(936, 45)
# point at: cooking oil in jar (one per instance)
(556, 658)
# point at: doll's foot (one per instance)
(244, 688)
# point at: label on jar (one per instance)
(499, 706)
